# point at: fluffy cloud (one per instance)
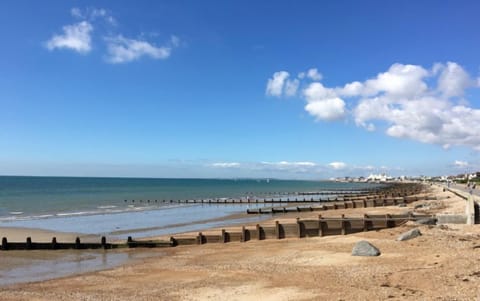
(276, 83)
(406, 101)
(122, 50)
(226, 164)
(78, 37)
(313, 74)
(92, 13)
(453, 80)
(323, 102)
(75, 37)
(283, 164)
(337, 165)
(460, 164)
(291, 87)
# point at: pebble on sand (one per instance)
(409, 235)
(364, 248)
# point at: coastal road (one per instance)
(464, 188)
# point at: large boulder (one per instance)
(364, 248)
(409, 235)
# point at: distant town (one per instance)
(383, 177)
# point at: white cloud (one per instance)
(282, 164)
(337, 165)
(276, 83)
(77, 13)
(226, 164)
(460, 164)
(76, 37)
(123, 50)
(313, 74)
(399, 81)
(453, 79)
(92, 14)
(291, 87)
(406, 101)
(323, 102)
(327, 109)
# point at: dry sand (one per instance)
(442, 264)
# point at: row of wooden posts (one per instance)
(322, 226)
(278, 200)
(363, 203)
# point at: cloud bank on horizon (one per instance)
(77, 37)
(299, 167)
(407, 101)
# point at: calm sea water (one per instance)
(97, 205)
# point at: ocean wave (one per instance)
(18, 215)
(107, 207)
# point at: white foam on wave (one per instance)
(107, 207)
(16, 212)
(75, 213)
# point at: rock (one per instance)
(409, 235)
(364, 248)
(426, 221)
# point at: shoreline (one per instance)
(189, 265)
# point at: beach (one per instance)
(442, 264)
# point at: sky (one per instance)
(280, 89)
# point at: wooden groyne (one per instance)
(298, 197)
(301, 228)
(351, 204)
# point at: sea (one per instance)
(122, 207)
(140, 207)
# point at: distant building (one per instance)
(379, 178)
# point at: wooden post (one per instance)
(366, 223)
(389, 222)
(29, 243)
(243, 237)
(103, 241)
(365, 203)
(4, 244)
(320, 225)
(343, 225)
(54, 243)
(335, 206)
(299, 228)
(173, 241)
(259, 232)
(77, 243)
(200, 238)
(277, 230)
(224, 236)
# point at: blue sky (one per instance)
(309, 89)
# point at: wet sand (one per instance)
(442, 264)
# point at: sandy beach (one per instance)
(442, 264)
